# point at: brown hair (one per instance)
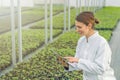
(86, 18)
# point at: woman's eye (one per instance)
(79, 27)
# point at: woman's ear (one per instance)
(90, 26)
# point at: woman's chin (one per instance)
(81, 34)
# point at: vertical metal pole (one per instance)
(77, 7)
(84, 5)
(100, 3)
(46, 30)
(13, 32)
(88, 7)
(1, 3)
(83, 1)
(80, 5)
(91, 5)
(19, 31)
(94, 6)
(65, 15)
(104, 2)
(97, 4)
(68, 15)
(51, 22)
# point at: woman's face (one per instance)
(82, 29)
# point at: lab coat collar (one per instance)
(92, 37)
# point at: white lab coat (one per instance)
(94, 58)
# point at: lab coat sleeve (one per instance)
(97, 66)
(73, 66)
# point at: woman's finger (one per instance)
(68, 57)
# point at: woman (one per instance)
(93, 54)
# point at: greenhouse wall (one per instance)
(25, 3)
(30, 3)
(54, 1)
(112, 2)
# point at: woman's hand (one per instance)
(72, 59)
(62, 61)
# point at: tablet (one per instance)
(62, 59)
(59, 56)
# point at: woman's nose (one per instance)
(77, 29)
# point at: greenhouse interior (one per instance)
(36, 36)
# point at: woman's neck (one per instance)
(91, 32)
